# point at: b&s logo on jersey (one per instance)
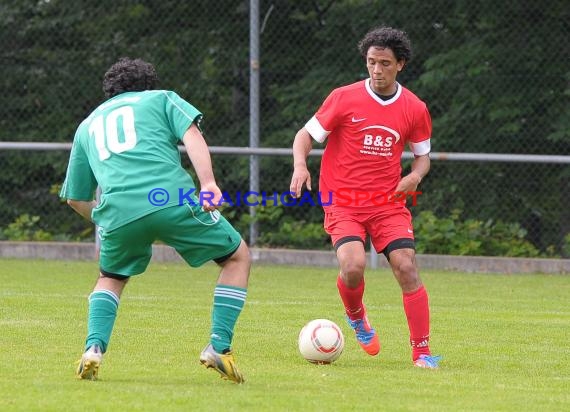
(379, 140)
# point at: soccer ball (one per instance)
(321, 341)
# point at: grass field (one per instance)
(504, 339)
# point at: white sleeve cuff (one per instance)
(316, 131)
(421, 148)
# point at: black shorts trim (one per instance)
(113, 275)
(402, 243)
(347, 239)
(222, 259)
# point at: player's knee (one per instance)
(242, 254)
(240, 257)
(407, 274)
(353, 270)
(405, 268)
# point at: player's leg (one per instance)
(103, 305)
(229, 296)
(124, 252)
(416, 304)
(395, 240)
(229, 299)
(348, 236)
(203, 236)
(350, 281)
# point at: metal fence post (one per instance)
(254, 112)
(373, 257)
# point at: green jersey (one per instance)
(129, 147)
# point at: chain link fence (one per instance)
(495, 77)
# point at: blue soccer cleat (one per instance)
(365, 335)
(427, 362)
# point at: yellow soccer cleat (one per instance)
(224, 364)
(89, 363)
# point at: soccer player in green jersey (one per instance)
(128, 146)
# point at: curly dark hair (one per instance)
(387, 38)
(129, 75)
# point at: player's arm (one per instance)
(302, 145)
(199, 155)
(84, 208)
(420, 168)
(80, 183)
(420, 146)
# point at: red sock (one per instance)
(416, 307)
(352, 299)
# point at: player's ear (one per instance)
(400, 65)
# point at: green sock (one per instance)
(103, 306)
(228, 303)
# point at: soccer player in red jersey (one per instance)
(367, 126)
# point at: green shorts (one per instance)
(196, 235)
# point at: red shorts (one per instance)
(383, 227)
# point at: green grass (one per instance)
(504, 339)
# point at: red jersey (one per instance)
(366, 139)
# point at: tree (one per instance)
(494, 76)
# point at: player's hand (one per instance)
(301, 176)
(408, 183)
(210, 197)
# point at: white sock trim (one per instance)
(112, 294)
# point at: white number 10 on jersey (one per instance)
(105, 130)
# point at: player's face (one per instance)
(383, 69)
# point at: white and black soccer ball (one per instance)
(321, 341)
